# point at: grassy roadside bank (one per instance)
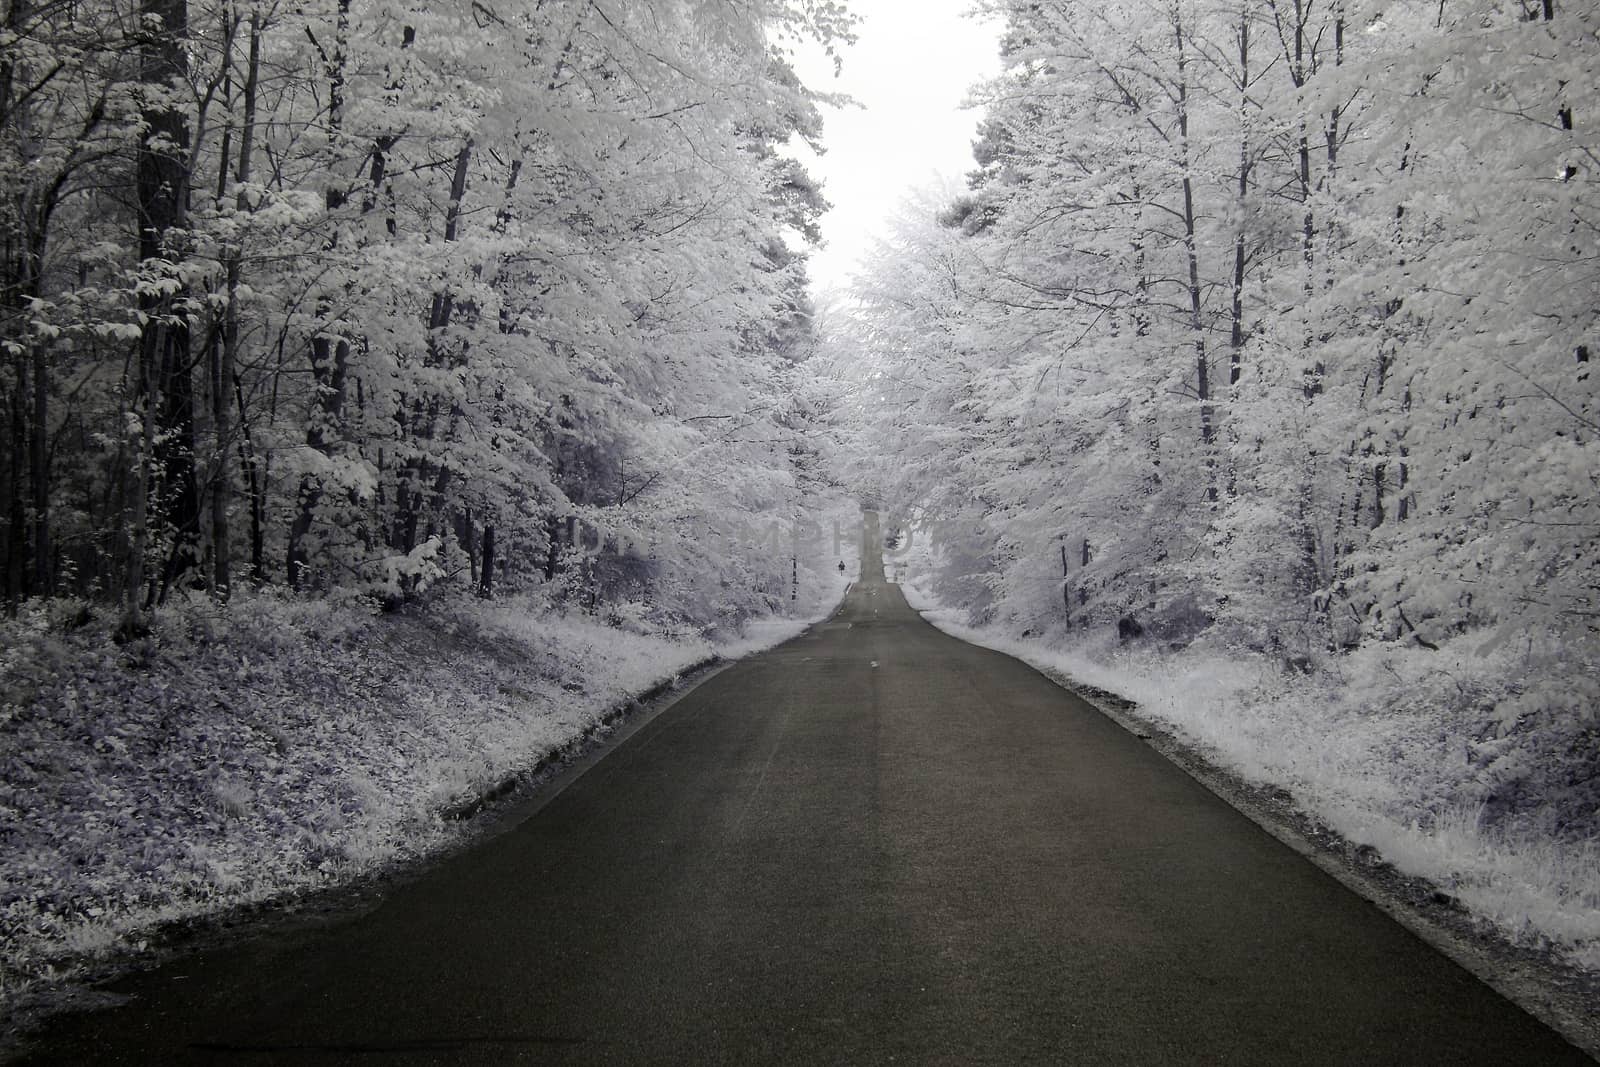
(241, 758)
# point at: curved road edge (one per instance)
(520, 796)
(1562, 997)
(495, 810)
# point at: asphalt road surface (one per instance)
(875, 844)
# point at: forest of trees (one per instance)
(352, 294)
(1260, 339)
(1265, 319)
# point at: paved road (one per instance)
(875, 844)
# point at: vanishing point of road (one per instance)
(874, 844)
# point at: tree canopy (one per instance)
(1267, 320)
(360, 295)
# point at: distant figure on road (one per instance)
(841, 566)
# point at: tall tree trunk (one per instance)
(163, 189)
(39, 472)
(1241, 262)
(27, 555)
(1334, 136)
(255, 483)
(16, 487)
(218, 392)
(223, 385)
(1066, 585)
(1191, 252)
(1236, 303)
(136, 541)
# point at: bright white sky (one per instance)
(911, 68)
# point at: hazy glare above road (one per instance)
(910, 69)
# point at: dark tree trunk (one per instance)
(1236, 307)
(16, 491)
(222, 578)
(178, 498)
(1066, 587)
(39, 474)
(168, 381)
(15, 266)
(255, 481)
(1196, 315)
(486, 568)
